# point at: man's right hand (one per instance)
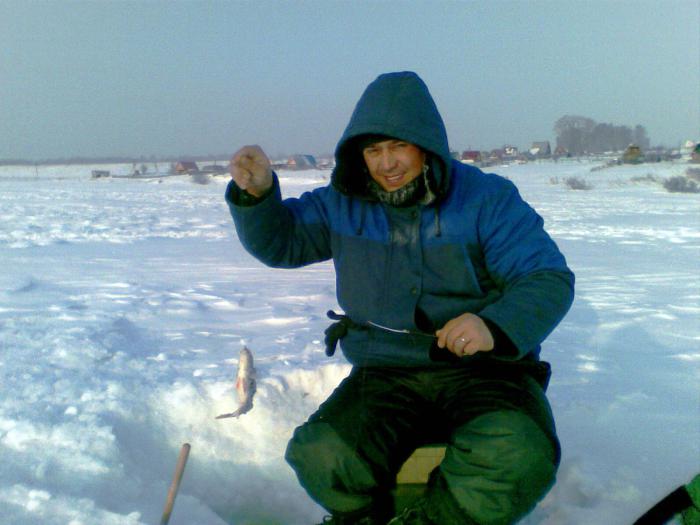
(251, 170)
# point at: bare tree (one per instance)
(580, 135)
(572, 133)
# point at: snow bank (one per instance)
(124, 304)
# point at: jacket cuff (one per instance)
(239, 197)
(502, 344)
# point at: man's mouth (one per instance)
(393, 180)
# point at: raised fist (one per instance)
(251, 170)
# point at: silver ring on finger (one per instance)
(464, 345)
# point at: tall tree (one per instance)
(572, 133)
(640, 137)
(580, 135)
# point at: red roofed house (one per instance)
(185, 167)
(471, 156)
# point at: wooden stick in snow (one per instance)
(175, 485)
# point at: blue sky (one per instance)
(170, 77)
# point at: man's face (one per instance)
(393, 163)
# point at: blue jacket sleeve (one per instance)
(526, 265)
(281, 234)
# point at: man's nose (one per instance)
(388, 160)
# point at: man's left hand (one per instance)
(465, 335)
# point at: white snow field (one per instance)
(124, 304)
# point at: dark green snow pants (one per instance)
(502, 450)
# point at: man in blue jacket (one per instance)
(449, 284)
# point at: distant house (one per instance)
(301, 162)
(471, 157)
(695, 154)
(99, 174)
(184, 167)
(541, 149)
(633, 155)
(510, 152)
(496, 155)
(561, 151)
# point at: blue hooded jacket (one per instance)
(476, 246)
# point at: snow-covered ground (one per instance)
(124, 304)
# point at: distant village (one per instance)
(577, 137)
(203, 167)
(539, 151)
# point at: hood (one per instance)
(397, 105)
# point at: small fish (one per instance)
(245, 384)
